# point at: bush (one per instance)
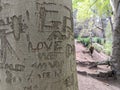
(105, 48)
(98, 40)
(98, 47)
(108, 47)
(84, 41)
(98, 44)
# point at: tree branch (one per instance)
(99, 27)
(93, 3)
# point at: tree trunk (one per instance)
(116, 37)
(103, 30)
(37, 48)
(111, 24)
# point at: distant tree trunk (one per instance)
(37, 45)
(103, 30)
(116, 36)
(111, 24)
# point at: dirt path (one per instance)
(88, 83)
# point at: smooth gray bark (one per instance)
(37, 45)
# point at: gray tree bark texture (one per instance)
(116, 37)
(37, 45)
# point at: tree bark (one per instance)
(37, 45)
(103, 30)
(116, 37)
(111, 24)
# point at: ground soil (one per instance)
(86, 82)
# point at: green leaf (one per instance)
(88, 8)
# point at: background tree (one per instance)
(116, 36)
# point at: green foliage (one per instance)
(83, 7)
(98, 47)
(108, 32)
(90, 8)
(102, 7)
(98, 44)
(84, 41)
(75, 3)
(107, 48)
(98, 40)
